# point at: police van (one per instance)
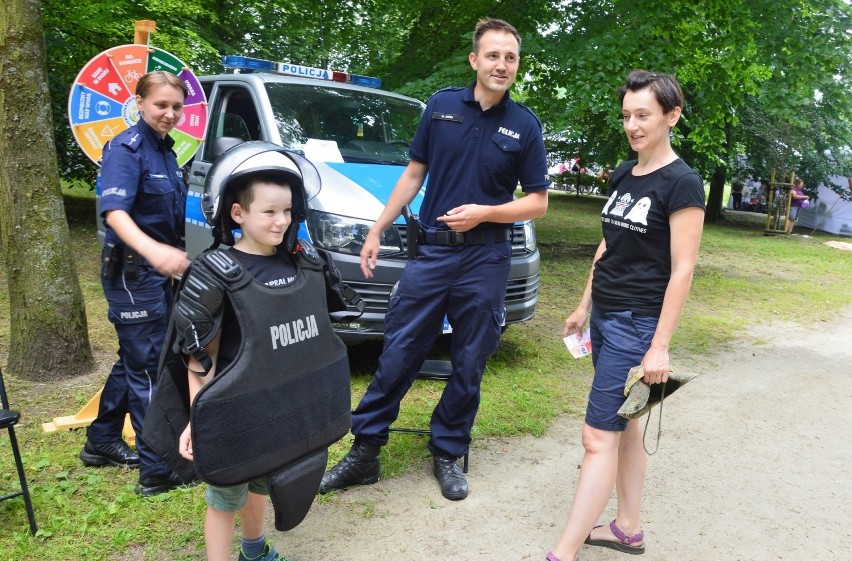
(357, 137)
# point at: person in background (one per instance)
(797, 199)
(476, 144)
(143, 203)
(737, 193)
(634, 297)
(605, 174)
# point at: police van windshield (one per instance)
(364, 126)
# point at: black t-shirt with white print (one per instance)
(634, 272)
(271, 270)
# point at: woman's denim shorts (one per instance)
(619, 342)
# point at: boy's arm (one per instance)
(197, 380)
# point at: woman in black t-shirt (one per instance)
(636, 292)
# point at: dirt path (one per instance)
(755, 463)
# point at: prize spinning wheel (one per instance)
(103, 99)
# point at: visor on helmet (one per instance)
(244, 161)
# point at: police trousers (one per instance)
(467, 283)
(139, 310)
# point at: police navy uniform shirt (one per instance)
(635, 269)
(140, 175)
(476, 156)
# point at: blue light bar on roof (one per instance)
(259, 65)
(246, 63)
(367, 81)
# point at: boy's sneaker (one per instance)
(268, 554)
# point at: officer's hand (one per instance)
(185, 443)
(464, 217)
(169, 261)
(369, 255)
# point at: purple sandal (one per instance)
(552, 557)
(625, 543)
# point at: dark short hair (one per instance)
(159, 78)
(491, 24)
(665, 88)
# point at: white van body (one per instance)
(357, 137)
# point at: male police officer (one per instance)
(476, 144)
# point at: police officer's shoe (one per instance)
(450, 476)
(163, 483)
(116, 453)
(359, 467)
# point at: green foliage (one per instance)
(768, 80)
(764, 79)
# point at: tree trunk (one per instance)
(717, 191)
(717, 182)
(48, 334)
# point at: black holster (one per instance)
(111, 260)
(131, 263)
(412, 223)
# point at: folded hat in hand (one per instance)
(641, 397)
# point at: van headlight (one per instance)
(346, 235)
(529, 236)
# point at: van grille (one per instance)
(376, 296)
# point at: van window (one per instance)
(234, 116)
(367, 127)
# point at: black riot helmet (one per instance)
(247, 161)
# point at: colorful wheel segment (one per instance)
(103, 99)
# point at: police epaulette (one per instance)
(531, 112)
(133, 140)
(452, 89)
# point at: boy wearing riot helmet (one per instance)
(263, 407)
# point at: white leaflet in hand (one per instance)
(580, 345)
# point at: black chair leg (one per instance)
(25, 491)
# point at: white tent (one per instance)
(830, 213)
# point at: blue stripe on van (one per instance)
(193, 210)
(378, 180)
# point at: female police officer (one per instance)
(143, 201)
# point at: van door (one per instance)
(233, 119)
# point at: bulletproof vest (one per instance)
(277, 406)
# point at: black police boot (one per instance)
(156, 484)
(450, 476)
(359, 467)
(116, 453)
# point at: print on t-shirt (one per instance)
(621, 203)
(638, 214)
(281, 281)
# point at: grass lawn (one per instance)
(742, 277)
